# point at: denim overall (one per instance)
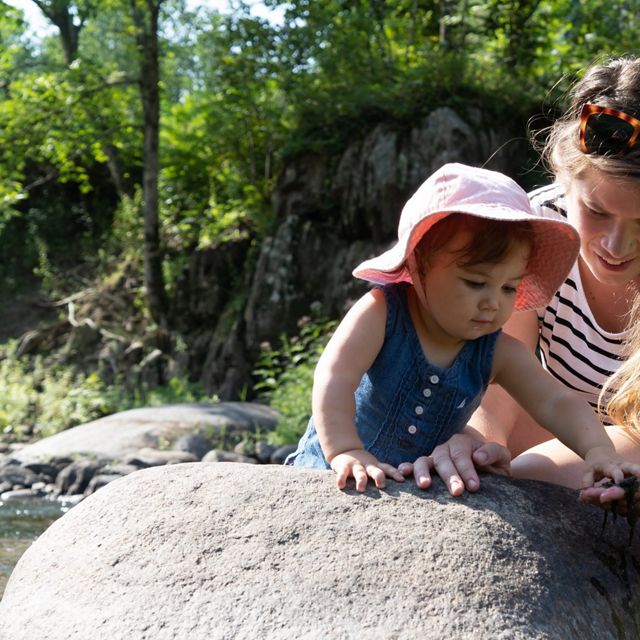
(406, 406)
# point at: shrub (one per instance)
(285, 375)
(39, 399)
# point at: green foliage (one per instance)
(240, 94)
(38, 399)
(126, 230)
(178, 389)
(285, 375)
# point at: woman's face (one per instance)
(606, 213)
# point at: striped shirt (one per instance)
(574, 348)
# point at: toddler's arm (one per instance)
(348, 355)
(559, 410)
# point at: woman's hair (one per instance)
(489, 240)
(623, 387)
(615, 84)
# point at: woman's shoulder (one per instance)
(549, 201)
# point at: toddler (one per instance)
(410, 361)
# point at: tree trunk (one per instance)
(146, 22)
(58, 13)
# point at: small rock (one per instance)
(48, 472)
(133, 461)
(15, 474)
(98, 481)
(194, 443)
(60, 462)
(154, 457)
(245, 448)
(217, 455)
(18, 495)
(75, 478)
(8, 461)
(118, 469)
(280, 454)
(263, 450)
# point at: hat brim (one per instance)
(556, 248)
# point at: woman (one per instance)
(594, 154)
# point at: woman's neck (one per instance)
(609, 305)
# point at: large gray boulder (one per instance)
(220, 550)
(122, 434)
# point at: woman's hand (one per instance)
(362, 465)
(456, 462)
(608, 496)
(615, 477)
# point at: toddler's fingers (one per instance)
(391, 472)
(377, 475)
(406, 469)
(360, 476)
(631, 469)
(342, 474)
(614, 471)
(449, 474)
(588, 478)
(422, 471)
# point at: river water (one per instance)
(20, 524)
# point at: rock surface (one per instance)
(123, 434)
(243, 551)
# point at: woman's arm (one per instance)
(349, 354)
(560, 410)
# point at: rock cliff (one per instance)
(334, 212)
(331, 213)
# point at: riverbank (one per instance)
(39, 482)
(20, 525)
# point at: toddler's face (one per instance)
(467, 302)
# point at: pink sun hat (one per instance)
(458, 188)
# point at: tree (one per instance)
(69, 17)
(145, 15)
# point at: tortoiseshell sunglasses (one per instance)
(604, 130)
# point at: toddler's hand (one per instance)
(362, 465)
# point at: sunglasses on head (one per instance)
(604, 130)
